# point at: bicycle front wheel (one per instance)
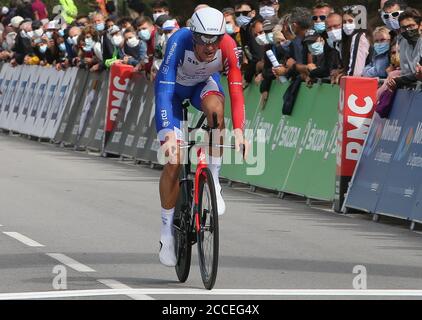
(208, 233)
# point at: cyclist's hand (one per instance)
(240, 140)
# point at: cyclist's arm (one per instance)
(166, 77)
(234, 76)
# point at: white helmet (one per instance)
(208, 21)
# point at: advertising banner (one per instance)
(356, 108)
(120, 75)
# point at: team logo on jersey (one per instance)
(238, 53)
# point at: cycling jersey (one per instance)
(182, 76)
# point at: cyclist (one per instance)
(190, 70)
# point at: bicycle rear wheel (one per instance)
(182, 225)
(208, 235)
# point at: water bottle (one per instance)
(275, 64)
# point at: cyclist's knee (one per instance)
(214, 104)
(171, 171)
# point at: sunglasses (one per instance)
(243, 13)
(349, 8)
(322, 18)
(395, 15)
(203, 39)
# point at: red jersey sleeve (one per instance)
(234, 76)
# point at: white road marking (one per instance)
(24, 239)
(215, 292)
(113, 284)
(71, 263)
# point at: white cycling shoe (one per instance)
(167, 251)
(221, 205)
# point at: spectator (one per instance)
(232, 28)
(334, 32)
(109, 23)
(116, 40)
(159, 7)
(319, 64)
(355, 48)
(82, 21)
(320, 13)
(87, 57)
(381, 58)
(72, 44)
(39, 9)
(134, 51)
(69, 10)
(147, 32)
(111, 10)
(268, 8)
(23, 44)
(124, 23)
(136, 8)
(24, 9)
(390, 14)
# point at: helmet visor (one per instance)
(204, 39)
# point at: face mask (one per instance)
(335, 35)
(89, 42)
(267, 12)
(229, 28)
(262, 39)
(100, 27)
(132, 42)
(62, 47)
(38, 33)
(243, 20)
(61, 33)
(24, 34)
(74, 40)
(392, 24)
(116, 40)
(156, 15)
(270, 37)
(145, 34)
(43, 48)
(30, 34)
(37, 40)
(381, 48)
(316, 48)
(285, 45)
(411, 35)
(49, 35)
(319, 27)
(349, 28)
(87, 49)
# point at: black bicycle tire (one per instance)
(208, 281)
(184, 261)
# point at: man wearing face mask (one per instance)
(268, 9)
(71, 44)
(160, 7)
(116, 39)
(147, 32)
(23, 43)
(334, 25)
(320, 13)
(410, 47)
(134, 50)
(390, 15)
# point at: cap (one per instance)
(53, 25)
(311, 36)
(113, 29)
(169, 25)
(161, 19)
(15, 22)
(268, 1)
(269, 24)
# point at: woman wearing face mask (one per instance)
(87, 40)
(381, 57)
(355, 46)
(319, 60)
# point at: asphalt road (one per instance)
(89, 226)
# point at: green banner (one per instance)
(296, 153)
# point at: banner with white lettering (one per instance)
(356, 108)
(120, 75)
(380, 148)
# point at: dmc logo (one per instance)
(405, 144)
(373, 139)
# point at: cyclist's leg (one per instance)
(209, 97)
(168, 128)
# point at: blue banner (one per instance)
(381, 145)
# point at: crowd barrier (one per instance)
(388, 178)
(113, 113)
